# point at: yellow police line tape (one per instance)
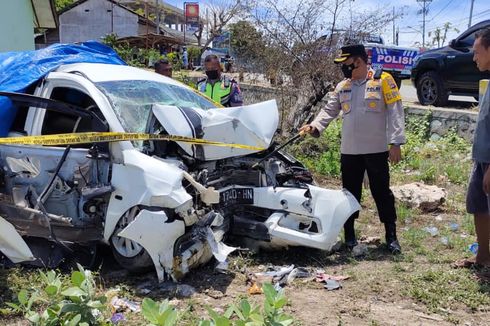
(102, 137)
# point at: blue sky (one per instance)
(410, 25)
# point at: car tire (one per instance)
(129, 254)
(430, 89)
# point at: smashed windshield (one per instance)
(132, 100)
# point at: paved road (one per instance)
(409, 94)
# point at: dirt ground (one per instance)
(417, 288)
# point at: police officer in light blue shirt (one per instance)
(477, 199)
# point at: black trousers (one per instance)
(378, 170)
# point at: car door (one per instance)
(47, 188)
(463, 74)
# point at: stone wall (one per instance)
(442, 120)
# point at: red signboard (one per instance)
(191, 12)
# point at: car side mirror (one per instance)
(452, 44)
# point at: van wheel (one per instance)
(128, 253)
(430, 89)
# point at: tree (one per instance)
(300, 40)
(217, 15)
(61, 4)
(246, 42)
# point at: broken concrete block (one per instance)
(419, 195)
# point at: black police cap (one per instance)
(349, 51)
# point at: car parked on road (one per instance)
(449, 70)
(156, 203)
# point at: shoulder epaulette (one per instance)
(377, 73)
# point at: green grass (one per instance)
(447, 289)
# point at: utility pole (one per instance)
(471, 13)
(424, 11)
(157, 16)
(394, 36)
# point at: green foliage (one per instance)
(73, 302)
(242, 314)
(131, 55)
(446, 288)
(61, 4)
(193, 53)
(246, 42)
(245, 314)
(322, 154)
(175, 60)
(161, 314)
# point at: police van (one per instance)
(396, 60)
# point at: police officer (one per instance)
(373, 129)
(217, 86)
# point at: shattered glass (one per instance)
(132, 100)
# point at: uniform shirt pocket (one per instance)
(373, 102)
(345, 98)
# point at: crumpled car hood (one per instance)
(252, 125)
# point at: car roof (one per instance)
(101, 72)
(480, 25)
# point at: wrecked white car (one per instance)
(156, 203)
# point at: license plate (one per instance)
(235, 196)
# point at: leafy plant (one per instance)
(322, 154)
(74, 303)
(161, 314)
(246, 314)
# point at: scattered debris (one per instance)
(280, 276)
(331, 285)
(473, 247)
(370, 240)
(255, 289)
(174, 289)
(298, 272)
(454, 226)
(425, 197)
(322, 277)
(360, 250)
(117, 317)
(444, 241)
(432, 230)
(122, 304)
(221, 267)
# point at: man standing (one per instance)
(217, 86)
(163, 67)
(477, 199)
(185, 58)
(373, 129)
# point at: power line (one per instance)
(442, 9)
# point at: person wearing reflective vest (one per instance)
(218, 87)
(373, 129)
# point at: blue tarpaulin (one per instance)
(18, 70)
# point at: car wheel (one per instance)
(129, 254)
(430, 89)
